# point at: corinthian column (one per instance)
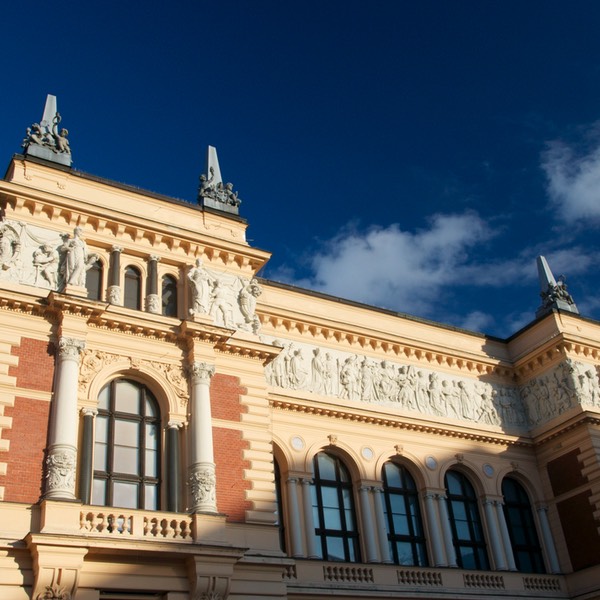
(62, 447)
(202, 466)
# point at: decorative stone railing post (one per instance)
(295, 529)
(202, 466)
(173, 478)
(62, 448)
(542, 512)
(435, 532)
(508, 551)
(445, 522)
(114, 286)
(309, 524)
(152, 299)
(87, 448)
(495, 540)
(368, 526)
(382, 534)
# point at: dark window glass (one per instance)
(127, 447)
(521, 528)
(403, 516)
(169, 296)
(93, 281)
(465, 522)
(333, 510)
(133, 288)
(280, 520)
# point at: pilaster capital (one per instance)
(88, 411)
(201, 372)
(70, 348)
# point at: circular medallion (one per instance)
(367, 453)
(431, 463)
(297, 443)
(488, 470)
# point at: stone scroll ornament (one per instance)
(363, 379)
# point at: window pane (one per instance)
(131, 295)
(151, 496)
(127, 398)
(104, 398)
(335, 548)
(330, 497)
(101, 429)
(151, 463)
(100, 457)
(125, 460)
(125, 494)
(169, 296)
(99, 491)
(326, 466)
(151, 436)
(332, 518)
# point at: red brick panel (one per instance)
(25, 459)
(225, 392)
(35, 370)
(231, 485)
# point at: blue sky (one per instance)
(416, 156)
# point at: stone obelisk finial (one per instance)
(44, 140)
(212, 192)
(554, 293)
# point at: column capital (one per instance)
(88, 411)
(377, 489)
(70, 348)
(201, 371)
(154, 258)
(174, 425)
(306, 480)
(116, 249)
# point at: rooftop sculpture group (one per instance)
(44, 140)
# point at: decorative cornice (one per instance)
(398, 423)
(346, 339)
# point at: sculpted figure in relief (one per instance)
(10, 247)
(201, 284)
(247, 301)
(75, 258)
(45, 261)
(221, 307)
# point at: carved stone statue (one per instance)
(201, 283)
(247, 301)
(9, 247)
(75, 259)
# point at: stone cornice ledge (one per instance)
(420, 425)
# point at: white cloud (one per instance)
(476, 321)
(573, 181)
(395, 268)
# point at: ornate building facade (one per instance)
(174, 427)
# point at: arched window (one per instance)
(127, 447)
(169, 296)
(333, 510)
(403, 516)
(280, 521)
(132, 296)
(465, 521)
(521, 528)
(93, 281)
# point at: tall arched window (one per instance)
(333, 510)
(127, 447)
(465, 521)
(93, 281)
(132, 296)
(169, 296)
(521, 528)
(280, 520)
(403, 516)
